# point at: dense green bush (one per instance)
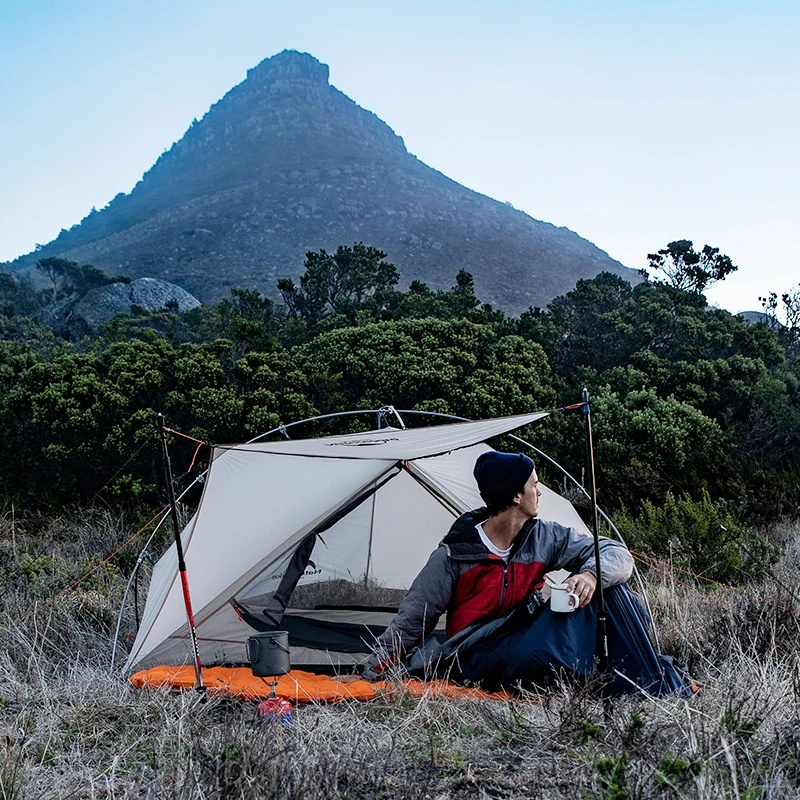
(74, 422)
(648, 446)
(704, 536)
(463, 367)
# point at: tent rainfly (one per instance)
(305, 535)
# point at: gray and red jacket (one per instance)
(473, 585)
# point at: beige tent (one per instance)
(319, 537)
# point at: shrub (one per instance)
(704, 536)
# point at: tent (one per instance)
(319, 537)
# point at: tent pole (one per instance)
(601, 605)
(187, 600)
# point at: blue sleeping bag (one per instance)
(529, 649)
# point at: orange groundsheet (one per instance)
(298, 686)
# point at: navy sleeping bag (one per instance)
(528, 650)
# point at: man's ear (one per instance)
(517, 499)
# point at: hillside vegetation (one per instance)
(697, 413)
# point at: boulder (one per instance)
(74, 316)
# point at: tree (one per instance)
(9, 288)
(69, 277)
(686, 269)
(457, 302)
(783, 314)
(647, 445)
(339, 283)
(585, 325)
(16, 297)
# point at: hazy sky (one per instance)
(632, 123)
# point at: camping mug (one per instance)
(268, 653)
(559, 598)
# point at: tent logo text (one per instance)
(361, 443)
(309, 571)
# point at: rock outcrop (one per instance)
(75, 316)
(754, 317)
(286, 163)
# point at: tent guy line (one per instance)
(79, 581)
(651, 562)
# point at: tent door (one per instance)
(273, 609)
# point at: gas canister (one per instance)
(275, 710)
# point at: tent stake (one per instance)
(187, 600)
(601, 605)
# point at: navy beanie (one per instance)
(501, 476)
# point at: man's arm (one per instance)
(574, 551)
(424, 603)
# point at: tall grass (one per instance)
(69, 729)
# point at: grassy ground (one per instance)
(69, 729)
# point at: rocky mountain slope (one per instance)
(286, 163)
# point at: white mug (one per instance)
(559, 598)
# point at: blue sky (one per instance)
(632, 123)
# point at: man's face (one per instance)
(529, 496)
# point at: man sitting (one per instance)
(484, 574)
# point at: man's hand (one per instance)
(583, 585)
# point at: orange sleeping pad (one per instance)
(298, 686)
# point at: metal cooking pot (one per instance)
(269, 653)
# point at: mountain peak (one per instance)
(289, 65)
(285, 163)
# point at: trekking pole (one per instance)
(601, 605)
(187, 600)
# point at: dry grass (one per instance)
(70, 729)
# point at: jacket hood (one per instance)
(463, 530)
(464, 542)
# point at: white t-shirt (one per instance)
(490, 546)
